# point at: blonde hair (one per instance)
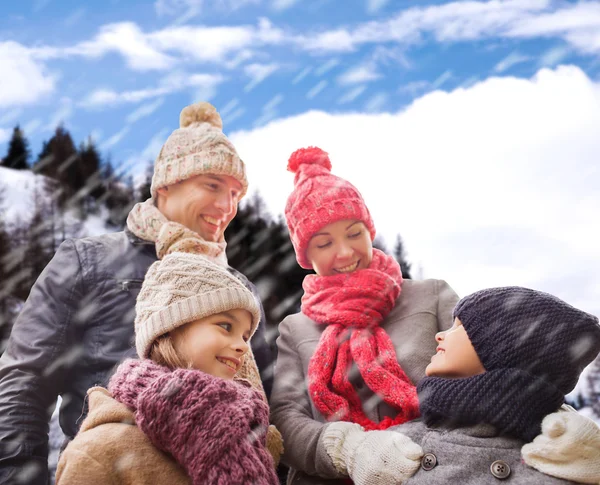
(162, 352)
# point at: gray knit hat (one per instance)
(197, 147)
(515, 327)
(184, 287)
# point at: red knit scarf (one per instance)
(353, 306)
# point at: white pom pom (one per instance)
(200, 113)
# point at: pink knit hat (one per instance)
(319, 198)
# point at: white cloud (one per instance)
(509, 61)
(578, 24)
(359, 74)
(23, 80)
(126, 38)
(491, 185)
(177, 81)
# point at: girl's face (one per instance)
(455, 355)
(340, 247)
(215, 344)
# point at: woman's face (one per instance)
(455, 355)
(340, 247)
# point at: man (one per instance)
(77, 323)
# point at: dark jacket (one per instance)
(75, 328)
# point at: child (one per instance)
(181, 414)
(506, 363)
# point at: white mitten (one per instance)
(569, 447)
(371, 457)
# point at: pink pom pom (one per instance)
(308, 156)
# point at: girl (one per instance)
(184, 413)
(359, 346)
(507, 362)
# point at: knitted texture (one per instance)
(149, 224)
(182, 288)
(354, 305)
(514, 327)
(568, 448)
(197, 147)
(512, 400)
(533, 347)
(372, 457)
(319, 198)
(133, 377)
(214, 428)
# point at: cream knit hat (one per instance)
(197, 147)
(184, 287)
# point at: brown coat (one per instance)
(111, 449)
(422, 309)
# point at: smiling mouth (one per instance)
(347, 269)
(212, 221)
(229, 363)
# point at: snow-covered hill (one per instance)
(18, 189)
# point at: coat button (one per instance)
(500, 469)
(428, 462)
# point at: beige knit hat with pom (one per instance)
(184, 287)
(197, 147)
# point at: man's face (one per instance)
(206, 204)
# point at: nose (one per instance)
(241, 346)
(344, 251)
(225, 202)
(439, 336)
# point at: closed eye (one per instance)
(355, 235)
(321, 246)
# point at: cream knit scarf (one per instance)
(149, 224)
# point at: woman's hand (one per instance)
(368, 457)
(568, 448)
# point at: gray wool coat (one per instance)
(475, 455)
(422, 309)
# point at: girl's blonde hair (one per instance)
(162, 352)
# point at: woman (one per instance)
(366, 376)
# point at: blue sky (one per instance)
(471, 127)
(95, 65)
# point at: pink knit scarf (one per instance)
(353, 307)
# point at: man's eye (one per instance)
(212, 186)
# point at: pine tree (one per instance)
(18, 151)
(58, 160)
(86, 177)
(142, 192)
(401, 258)
(261, 249)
